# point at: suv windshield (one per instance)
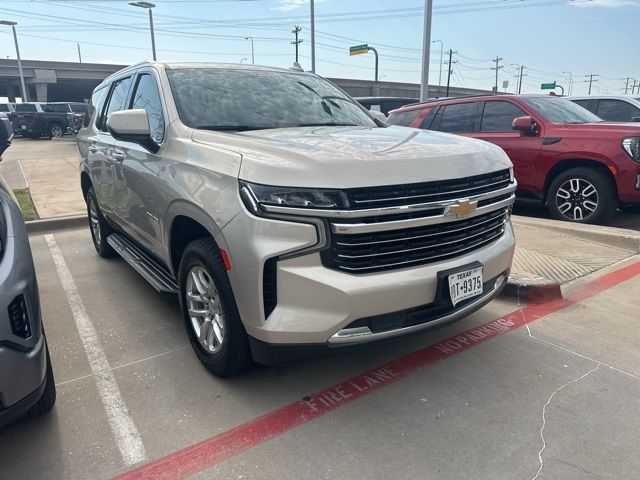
(217, 99)
(561, 110)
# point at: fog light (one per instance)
(19, 317)
(499, 281)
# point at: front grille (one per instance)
(396, 195)
(392, 249)
(19, 317)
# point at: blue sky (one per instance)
(547, 36)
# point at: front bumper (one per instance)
(316, 303)
(22, 356)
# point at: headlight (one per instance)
(255, 195)
(632, 147)
(511, 175)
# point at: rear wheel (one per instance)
(209, 309)
(99, 227)
(55, 130)
(582, 195)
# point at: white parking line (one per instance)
(124, 430)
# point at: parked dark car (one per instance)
(27, 387)
(384, 104)
(34, 119)
(6, 132)
(581, 167)
(7, 109)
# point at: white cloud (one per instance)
(607, 3)
(288, 5)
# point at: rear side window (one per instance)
(499, 116)
(147, 97)
(26, 107)
(588, 104)
(117, 101)
(57, 108)
(455, 118)
(616, 111)
(405, 118)
(95, 105)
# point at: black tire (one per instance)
(48, 399)
(98, 227)
(55, 130)
(234, 355)
(574, 192)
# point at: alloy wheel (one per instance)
(56, 131)
(205, 310)
(94, 220)
(577, 199)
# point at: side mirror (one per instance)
(132, 126)
(6, 133)
(378, 115)
(635, 119)
(525, 125)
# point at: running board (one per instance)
(157, 275)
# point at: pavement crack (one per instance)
(544, 418)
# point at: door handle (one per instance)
(118, 155)
(93, 149)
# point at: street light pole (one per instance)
(148, 6)
(441, 52)
(253, 58)
(15, 39)
(313, 37)
(426, 50)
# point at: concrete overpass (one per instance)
(72, 81)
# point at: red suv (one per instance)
(581, 167)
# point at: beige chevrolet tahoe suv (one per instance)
(285, 218)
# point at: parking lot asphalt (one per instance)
(131, 392)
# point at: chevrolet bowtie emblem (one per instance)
(462, 209)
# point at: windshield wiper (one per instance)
(328, 124)
(230, 128)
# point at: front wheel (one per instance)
(48, 398)
(209, 309)
(582, 195)
(99, 227)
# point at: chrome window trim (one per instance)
(355, 228)
(372, 212)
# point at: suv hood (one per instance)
(605, 129)
(347, 157)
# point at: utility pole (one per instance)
(313, 37)
(522, 67)
(451, 62)
(633, 88)
(296, 30)
(591, 80)
(497, 68)
(79, 54)
(570, 82)
(426, 50)
(626, 86)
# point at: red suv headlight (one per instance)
(632, 147)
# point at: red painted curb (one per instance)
(197, 457)
(533, 291)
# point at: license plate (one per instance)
(464, 285)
